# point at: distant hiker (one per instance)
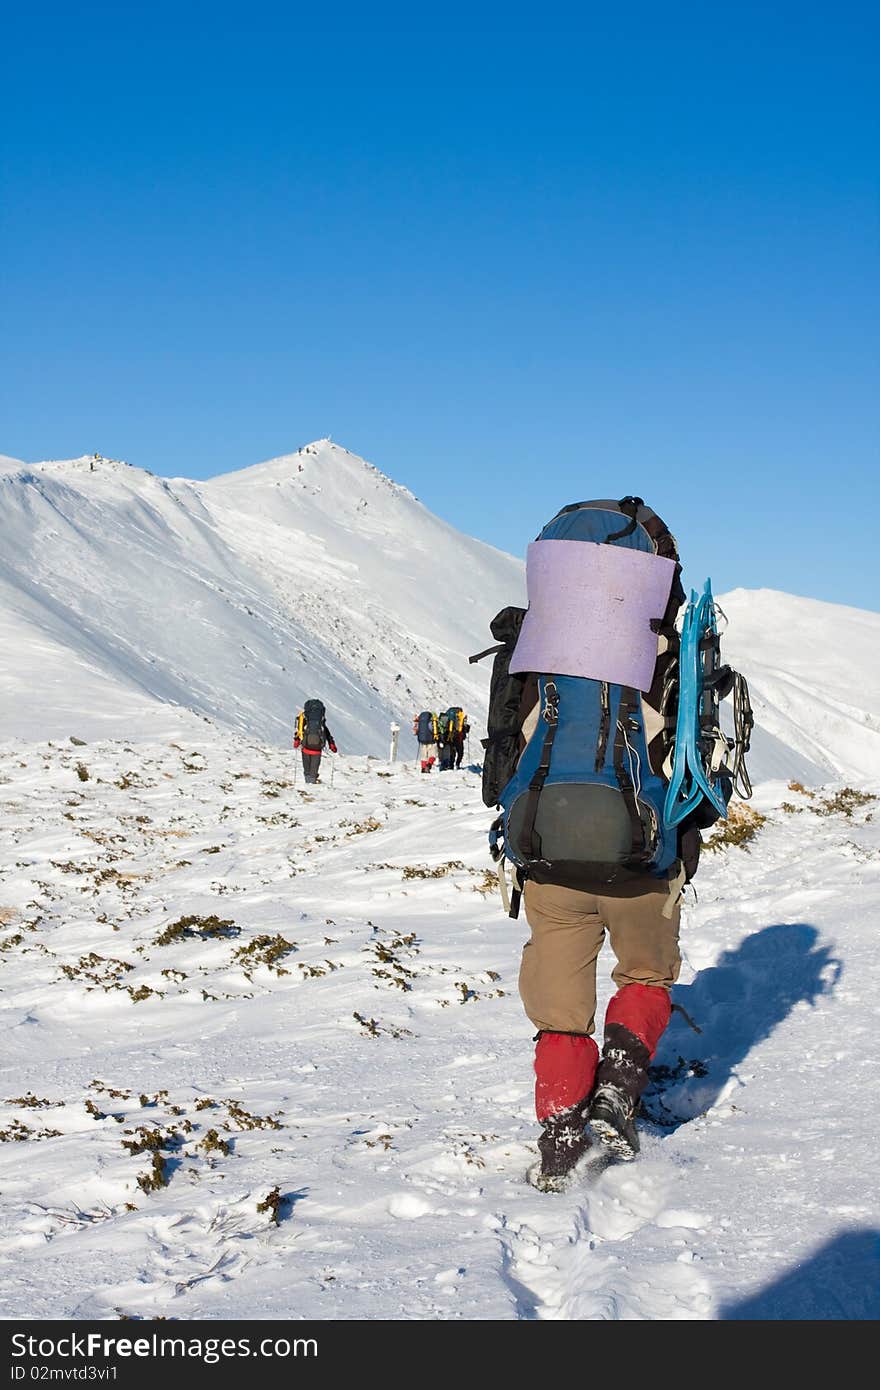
(447, 747)
(310, 733)
(604, 772)
(454, 730)
(462, 729)
(426, 731)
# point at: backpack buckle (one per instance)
(550, 713)
(496, 838)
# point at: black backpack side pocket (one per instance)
(502, 744)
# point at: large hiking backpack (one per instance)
(580, 751)
(426, 727)
(453, 722)
(313, 725)
(503, 743)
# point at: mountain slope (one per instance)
(814, 677)
(240, 598)
(137, 606)
(399, 597)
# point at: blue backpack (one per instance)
(426, 727)
(610, 783)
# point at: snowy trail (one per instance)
(219, 986)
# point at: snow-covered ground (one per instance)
(229, 998)
(263, 1053)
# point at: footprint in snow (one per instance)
(567, 1268)
(625, 1197)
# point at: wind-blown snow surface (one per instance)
(146, 606)
(221, 986)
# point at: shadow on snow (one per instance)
(736, 1004)
(841, 1281)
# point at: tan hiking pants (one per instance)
(557, 978)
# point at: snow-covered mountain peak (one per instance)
(321, 474)
(238, 598)
(133, 601)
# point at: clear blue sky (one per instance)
(512, 266)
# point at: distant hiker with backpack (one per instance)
(454, 730)
(462, 730)
(310, 733)
(426, 730)
(605, 757)
(445, 726)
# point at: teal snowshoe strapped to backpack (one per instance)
(700, 767)
(580, 752)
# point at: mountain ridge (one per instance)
(241, 596)
(132, 599)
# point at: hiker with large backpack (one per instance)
(455, 730)
(605, 757)
(426, 730)
(446, 727)
(310, 733)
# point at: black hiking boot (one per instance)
(621, 1077)
(612, 1120)
(564, 1141)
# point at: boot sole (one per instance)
(613, 1139)
(543, 1182)
(589, 1167)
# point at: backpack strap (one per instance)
(630, 507)
(529, 842)
(623, 755)
(604, 725)
(490, 651)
